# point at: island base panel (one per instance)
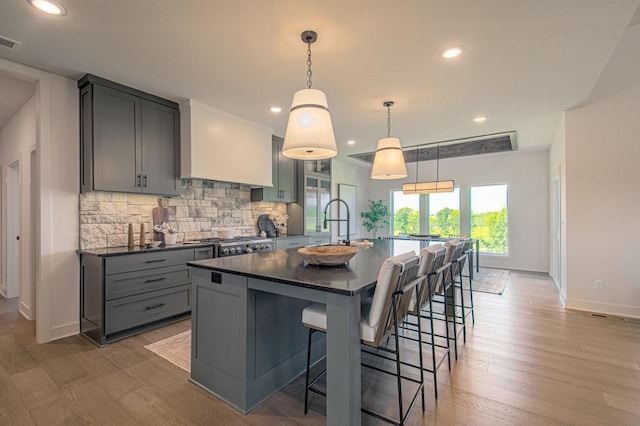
(247, 344)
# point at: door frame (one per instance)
(57, 277)
(14, 228)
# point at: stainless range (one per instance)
(239, 245)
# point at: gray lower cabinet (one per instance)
(130, 140)
(126, 294)
(246, 344)
(292, 242)
(319, 239)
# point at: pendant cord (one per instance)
(388, 122)
(309, 73)
(438, 164)
(417, 160)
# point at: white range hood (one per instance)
(216, 145)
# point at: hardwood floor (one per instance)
(527, 361)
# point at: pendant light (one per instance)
(436, 186)
(309, 134)
(389, 160)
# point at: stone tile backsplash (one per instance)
(202, 208)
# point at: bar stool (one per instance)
(381, 316)
(469, 251)
(446, 293)
(431, 262)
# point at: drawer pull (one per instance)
(158, 305)
(156, 261)
(204, 251)
(155, 280)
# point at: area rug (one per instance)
(488, 280)
(175, 349)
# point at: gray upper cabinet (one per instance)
(283, 177)
(129, 139)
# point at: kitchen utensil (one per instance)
(226, 234)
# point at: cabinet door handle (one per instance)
(156, 261)
(139, 180)
(157, 305)
(145, 181)
(155, 280)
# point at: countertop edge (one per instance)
(305, 284)
(124, 251)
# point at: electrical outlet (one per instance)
(599, 285)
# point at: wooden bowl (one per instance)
(327, 255)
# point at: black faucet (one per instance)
(346, 241)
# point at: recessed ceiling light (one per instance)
(480, 118)
(451, 52)
(48, 6)
(275, 109)
(351, 142)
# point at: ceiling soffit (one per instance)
(477, 145)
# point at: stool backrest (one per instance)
(431, 258)
(454, 250)
(399, 272)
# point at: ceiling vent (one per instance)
(476, 145)
(9, 43)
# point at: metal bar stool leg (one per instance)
(452, 305)
(306, 383)
(462, 307)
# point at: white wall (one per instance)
(527, 175)
(603, 204)
(17, 140)
(57, 230)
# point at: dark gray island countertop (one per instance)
(288, 267)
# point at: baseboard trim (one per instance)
(25, 311)
(561, 295)
(65, 330)
(603, 308)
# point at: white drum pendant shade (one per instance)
(309, 134)
(389, 160)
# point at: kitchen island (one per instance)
(247, 337)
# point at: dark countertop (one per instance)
(118, 251)
(288, 267)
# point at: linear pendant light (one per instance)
(309, 134)
(389, 160)
(432, 187)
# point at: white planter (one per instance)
(170, 239)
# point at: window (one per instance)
(489, 218)
(406, 213)
(444, 213)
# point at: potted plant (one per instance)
(376, 217)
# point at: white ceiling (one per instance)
(524, 63)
